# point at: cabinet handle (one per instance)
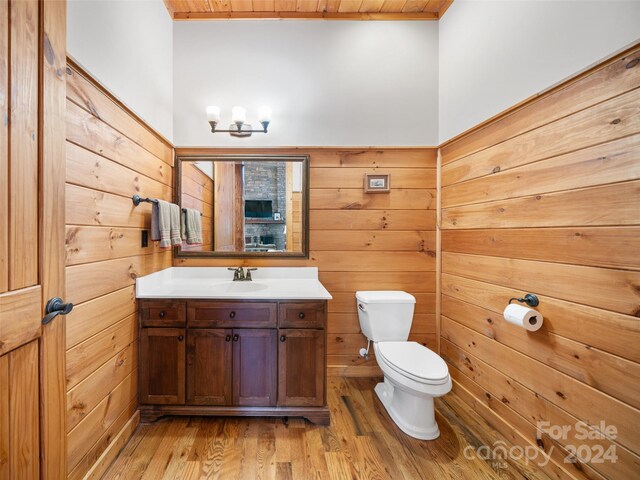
(161, 314)
(236, 337)
(232, 315)
(227, 338)
(301, 315)
(282, 338)
(180, 338)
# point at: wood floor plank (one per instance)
(362, 443)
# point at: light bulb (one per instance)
(213, 113)
(264, 114)
(238, 114)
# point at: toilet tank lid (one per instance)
(385, 296)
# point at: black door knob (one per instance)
(161, 314)
(282, 338)
(301, 315)
(55, 307)
(180, 338)
(227, 338)
(236, 337)
(232, 315)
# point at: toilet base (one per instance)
(413, 413)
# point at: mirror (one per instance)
(250, 205)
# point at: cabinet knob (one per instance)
(282, 338)
(180, 338)
(301, 315)
(227, 338)
(161, 314)
(232, 315)
(236, 337)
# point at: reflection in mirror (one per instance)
(251, 206)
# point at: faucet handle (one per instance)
(248, 275)
(238, 273)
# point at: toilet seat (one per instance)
(414, 361)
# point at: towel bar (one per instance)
(137, 199)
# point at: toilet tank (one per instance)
(385, 316)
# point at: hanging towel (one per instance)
(183, 225)
(161, 223)
(193, 226)
(174, 229)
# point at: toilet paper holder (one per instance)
(530, 299)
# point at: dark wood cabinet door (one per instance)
(302, 314)
(162, 366)
(254, 367)
(301, 367)
(163, 313)
(209, 357)
(245, 314)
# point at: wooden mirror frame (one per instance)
(177, 251)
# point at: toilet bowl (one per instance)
(413, 374)
(413, 377)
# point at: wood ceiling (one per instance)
(308, 9)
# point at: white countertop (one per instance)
(269, 283)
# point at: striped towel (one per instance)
(161, 223)
(174, 224)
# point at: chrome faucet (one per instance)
(239, 274)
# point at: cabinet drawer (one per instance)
(302, 314)
(162, 313)
(207, 314)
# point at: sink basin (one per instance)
(241, 287)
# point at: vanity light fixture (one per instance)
(239, 127)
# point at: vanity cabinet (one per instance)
(209, 356)
(301, 377)
(255, 367)
(163, 370)
(215, 357)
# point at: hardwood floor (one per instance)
(361, 443)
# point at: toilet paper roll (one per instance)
(523, 317)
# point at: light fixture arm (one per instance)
(265, 127)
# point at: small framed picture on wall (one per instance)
(376, 183)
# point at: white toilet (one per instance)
(413, 374)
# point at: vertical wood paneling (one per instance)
(32, 95)
(4, 146)
(52, 248)
(24, 455)
(23, 151)
(548, 202)
(113, 156)
(363, 241)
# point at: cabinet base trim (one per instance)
(316, 415)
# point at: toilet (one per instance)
(413, 374)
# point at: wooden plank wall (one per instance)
(111, 155)
(197, 193)
(546, 199)
(364, 241)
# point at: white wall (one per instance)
(494, 54)
(329, 83)
(128, 47)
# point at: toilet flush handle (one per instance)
(361, 307)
